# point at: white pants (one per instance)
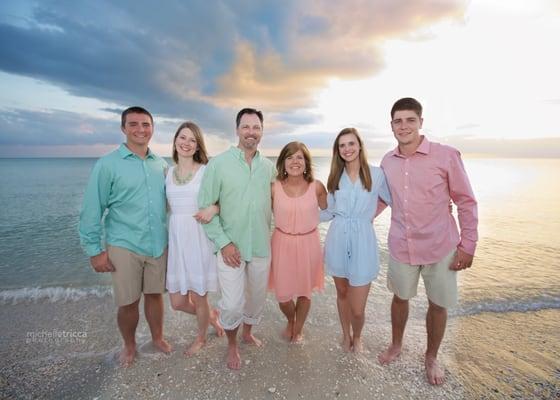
(243, 291)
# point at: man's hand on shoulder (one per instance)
(461, 260)
(101, 263)
(231, 255)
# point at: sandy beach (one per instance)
(486, 356)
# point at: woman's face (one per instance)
(348, 147)
(295, 164)
(185, 143)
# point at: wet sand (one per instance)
(485, 356)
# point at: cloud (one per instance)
(205, 60)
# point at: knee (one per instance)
(433, 307)
(177, 304)
(398, 301)
(357, 314)
(342, 294)
(129, 308)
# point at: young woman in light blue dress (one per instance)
(351, 250)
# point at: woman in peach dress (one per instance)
(297, 258)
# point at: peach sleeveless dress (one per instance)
(297, 258)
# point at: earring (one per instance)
(304, 172)
(285, 173)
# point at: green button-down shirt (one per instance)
(132, 193)
(243, 194)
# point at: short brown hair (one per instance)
(407, 103)
(135, 110)
(200, 155)
(289, 150)
(248, 111)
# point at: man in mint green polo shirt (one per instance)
(239, 181)
(126, 196)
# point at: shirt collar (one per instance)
(423, 148)
(125, 152)
(241, 155)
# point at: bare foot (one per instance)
(233, 360)
(215, 322)
(389, 355)
(297, 339)
(434, 373)
(357, 346)
(346, 344)
(162, 345)
(251, 339)
(289, 331)
(126, 357)
(195, 346)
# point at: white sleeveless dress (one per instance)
(191, 262)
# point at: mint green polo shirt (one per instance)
(243, 194)
(125, 198)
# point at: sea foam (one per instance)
(51, 294)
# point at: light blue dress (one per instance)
(351, 249)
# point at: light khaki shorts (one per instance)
(136, 274)
(440, 281)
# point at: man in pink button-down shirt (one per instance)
(423, 239)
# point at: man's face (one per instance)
(249, 131)
(406, 125)
(138, 129)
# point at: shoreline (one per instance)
(83, 363)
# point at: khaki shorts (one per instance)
(135, 274)
(440, 281)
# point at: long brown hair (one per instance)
(289, 150)
(200, 155)
(337, 163)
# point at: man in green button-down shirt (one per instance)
(239, 181)
(126, 193)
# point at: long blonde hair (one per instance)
(337, 163)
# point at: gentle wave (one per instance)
(507, 305)
(51, 294)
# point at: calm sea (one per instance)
(517, 266)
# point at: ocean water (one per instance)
(517, 265)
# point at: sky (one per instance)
(486, 72)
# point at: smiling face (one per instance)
(185, 143)
(348, 147)
(249, 132)
(406, 125)
(138, 129)
(295, 164)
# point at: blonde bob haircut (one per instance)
(289, 150)
(337, 163)
(200, 155)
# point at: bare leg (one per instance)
(399, 316)
(127, 319)
(182, 302)
(153, 309)
(215, 322)
(436, 318)
(344, 315)
(357, 297)
(288, 308)
(248, 337)
(302, 309)
(233, 359)
(203, 318)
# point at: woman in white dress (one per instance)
(191, 265)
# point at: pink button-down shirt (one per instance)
(423, 231)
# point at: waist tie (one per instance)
(350, 226)
(294, 234)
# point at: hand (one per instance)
(461, 261)
(231, 255)
(205, 215)
(101, 263)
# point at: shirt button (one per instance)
(406, 173)
(406, 187)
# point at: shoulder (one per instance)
(386, 158)
(319, 187)
(444, 151)
(219, 159)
